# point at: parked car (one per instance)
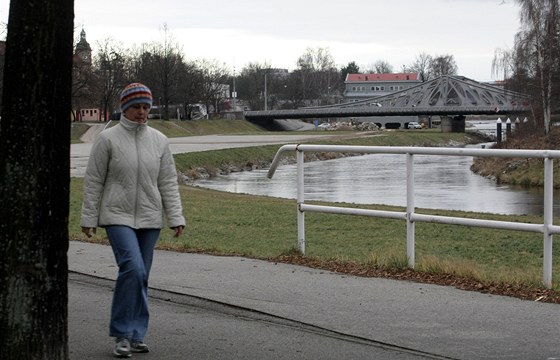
(414, 125)
(324, 126)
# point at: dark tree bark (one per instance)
(34, 180)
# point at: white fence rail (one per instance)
(547, 228)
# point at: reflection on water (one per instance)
(441, 182)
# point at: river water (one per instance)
(441, 182)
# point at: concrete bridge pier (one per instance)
(453, 123)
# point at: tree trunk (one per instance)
(34, 180)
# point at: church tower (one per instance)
(83, 50)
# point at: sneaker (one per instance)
(139, 347)
(122, 349)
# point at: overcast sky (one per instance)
(238, 32)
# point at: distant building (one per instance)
(90, 115)
(82, 53)
(367, 86)
(84, 107)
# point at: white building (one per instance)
(367, 86)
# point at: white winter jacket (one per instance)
(131, 179)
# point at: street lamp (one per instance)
(265, 94)
(234, 93)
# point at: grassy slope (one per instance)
(524, 172)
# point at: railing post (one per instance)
(410, 210)
(499, 131)
(300, 201)
(548, 219)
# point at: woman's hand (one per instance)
(88, 231)
(178, 230)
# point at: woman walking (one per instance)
(130, 186)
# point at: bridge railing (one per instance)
(547, 228)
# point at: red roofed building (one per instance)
(366, 86)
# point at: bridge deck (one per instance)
(444, 96)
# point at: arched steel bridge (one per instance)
(444, 96)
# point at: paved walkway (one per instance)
(327, 315)
(79, 153)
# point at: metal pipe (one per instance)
(495, 224)
(410, 228)
(300, 202)
(477, 152)
(548, 219)
(353, 211)
(277, 157)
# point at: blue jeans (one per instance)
(134, 250)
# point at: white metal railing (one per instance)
(547, 228)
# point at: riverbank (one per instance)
(204, 165)
(524, 172)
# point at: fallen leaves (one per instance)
(463, 283)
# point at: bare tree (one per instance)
(35, 180)
(379, 67)
(443, 65)
(306, 67)
(538, 44)
(382, 67)
(169, 60)
(214, 80)
(294, 93)
(157, 65)
(190, 87)
(110, 74)
(135, 63)
(250, 84)
(421, 66)
(277, 92)
(318, 74)
(503, 63)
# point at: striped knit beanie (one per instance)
(135, 93)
